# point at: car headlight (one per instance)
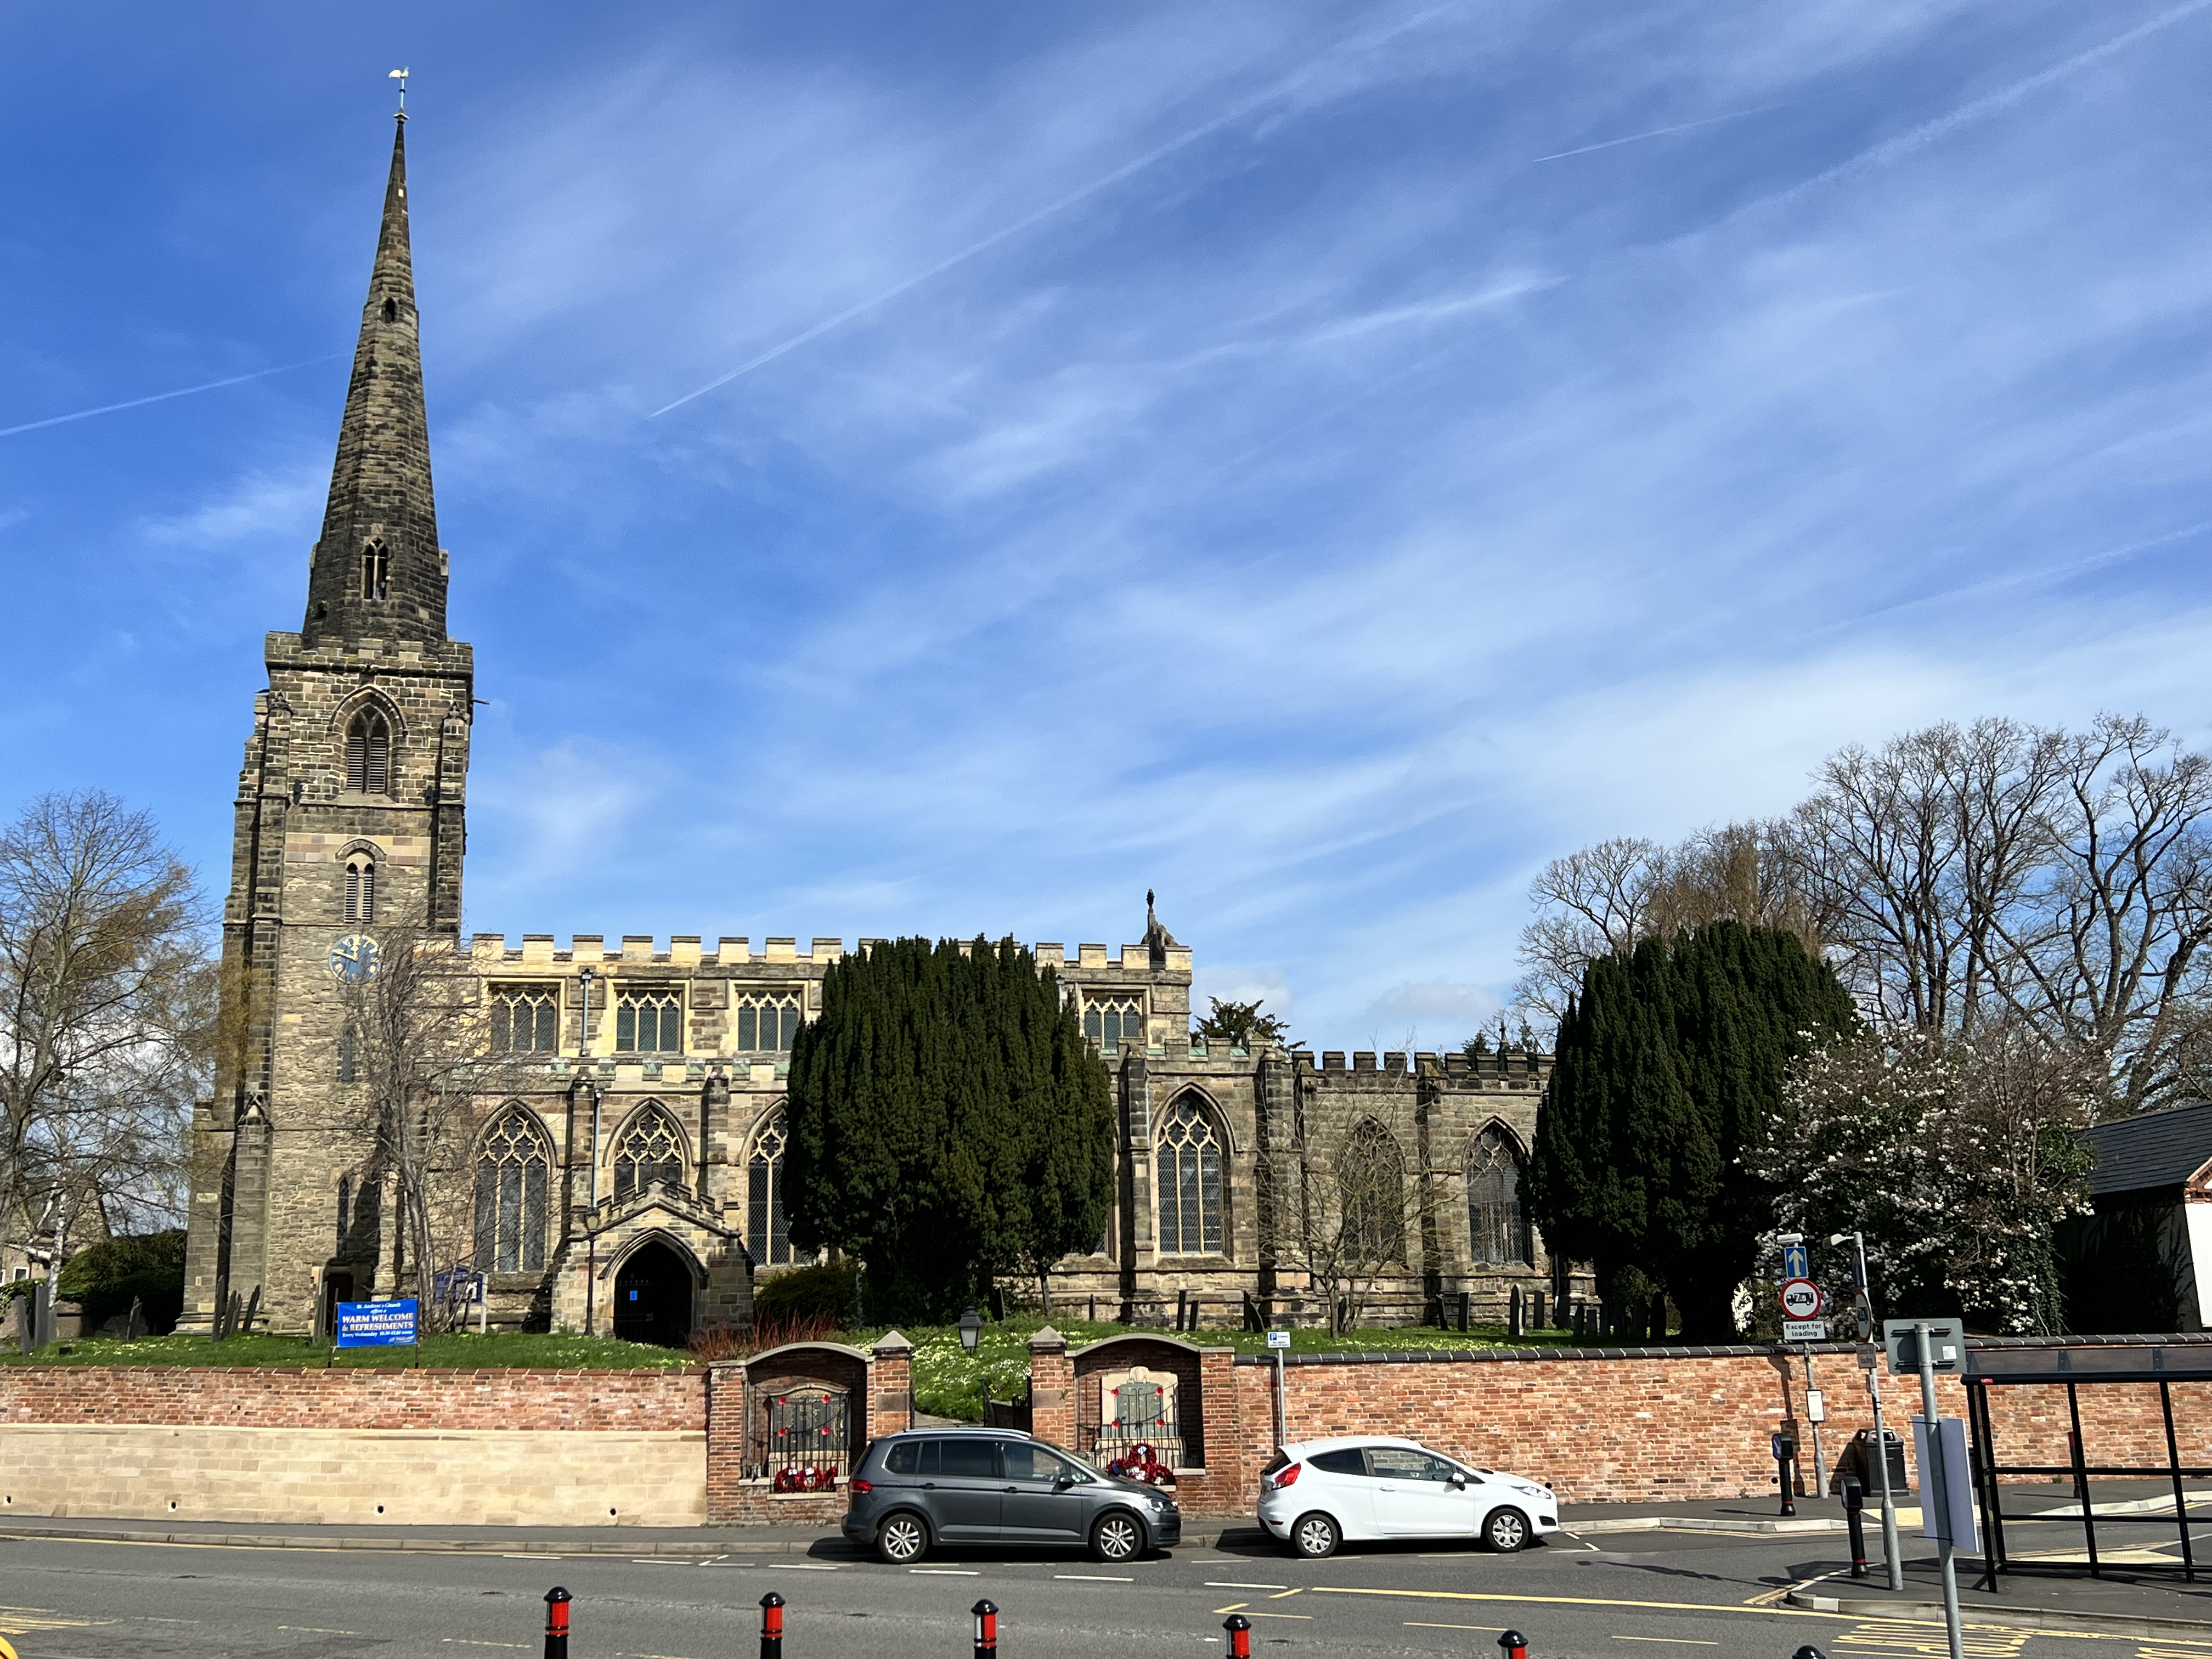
(1159, 1505)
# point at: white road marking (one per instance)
(1093, 1578)
(1672, 1641)
(951, 1572)
(1231, 1583)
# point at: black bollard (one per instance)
(987, 1630)
(1808, 1651)
(557, 1623)
(1785, 1454)
(1240, 1636)
(771, 1627)
(1512, 1645)
(1854, 1522)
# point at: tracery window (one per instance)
(345, 1213)
(766, 1236)
(349, 1053)
(1371, 1187)
(361, 887)
(1110, 1022)
(375, 572)
(512, 1167)
(1189, 1164)
(524, 1019)
(767, 1023)
(1497, 1230)
(651, 1149)
(368, 753)
(649, 1022)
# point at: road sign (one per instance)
(1795, 1263)
(376, 1324)
(1800, 1299)
(1804, 1330)
(1279, 1339)
(1945, 1343)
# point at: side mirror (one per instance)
(1459, 1480)
(1063, 1483)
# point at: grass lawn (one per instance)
(947, 1382)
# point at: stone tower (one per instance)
(350, 820)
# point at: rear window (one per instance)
(974, 1458)
(1345, 1460)
(1282, 1461)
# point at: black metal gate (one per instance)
(809, 1440)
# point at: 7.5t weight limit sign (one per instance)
(1800, 1299)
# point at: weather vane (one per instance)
(400, 76)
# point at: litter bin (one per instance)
(1857, 1462)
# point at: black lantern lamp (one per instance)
(971, 1329)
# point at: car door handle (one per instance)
(1010, 1489)
(929, 1485)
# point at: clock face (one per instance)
(354, 956)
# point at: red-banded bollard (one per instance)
(1240, 1636)
(1512, 1645)
(771, 1627)
(987, 1630)
(557, 1623)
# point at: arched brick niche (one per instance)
(805, 1415)
(1145, 1388)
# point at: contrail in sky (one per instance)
(163, 397)
(1928, 132)
(1128, 169)
(1657, 132)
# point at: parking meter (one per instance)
(1785, 1454)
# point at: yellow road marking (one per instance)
(464, 1641)
(1234, 1606)
(1288, 1592)
(1585, 1601)
(1306, 1616)
(21, 1621)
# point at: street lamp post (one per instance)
(971, 1329)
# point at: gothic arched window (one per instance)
(368, 754)
(375, 572)
(1110, 1022)
(1371, 1185)
(1497, 1230)
(651, 1149)
(1189, 1164)
(345, 1213)
(360, 887)
(765, 1234)
(511, 1166)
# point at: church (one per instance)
(625, 1177)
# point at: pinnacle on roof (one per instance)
(378, 571)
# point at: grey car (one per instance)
(929, 1486)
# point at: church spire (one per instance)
(378, 571)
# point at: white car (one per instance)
(1320, 1493)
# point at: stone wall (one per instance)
(511, 1448)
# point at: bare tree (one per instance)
(1351, 1216)
(107, 1011)
(1603, 899)
(416, 1041)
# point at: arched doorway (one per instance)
(652, 1297)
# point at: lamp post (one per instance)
(971, 1329)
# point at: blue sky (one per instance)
(1319, 461)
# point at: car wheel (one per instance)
(903, 1539)
(1506, 1531)
(1315, 1536)
(1118, 1536)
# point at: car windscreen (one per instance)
(974, 1460)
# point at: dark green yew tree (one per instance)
(948, 1123)
(1669, 1066)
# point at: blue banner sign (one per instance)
(376, 1324)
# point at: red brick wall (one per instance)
(1664, 1425)
(362, 1399)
